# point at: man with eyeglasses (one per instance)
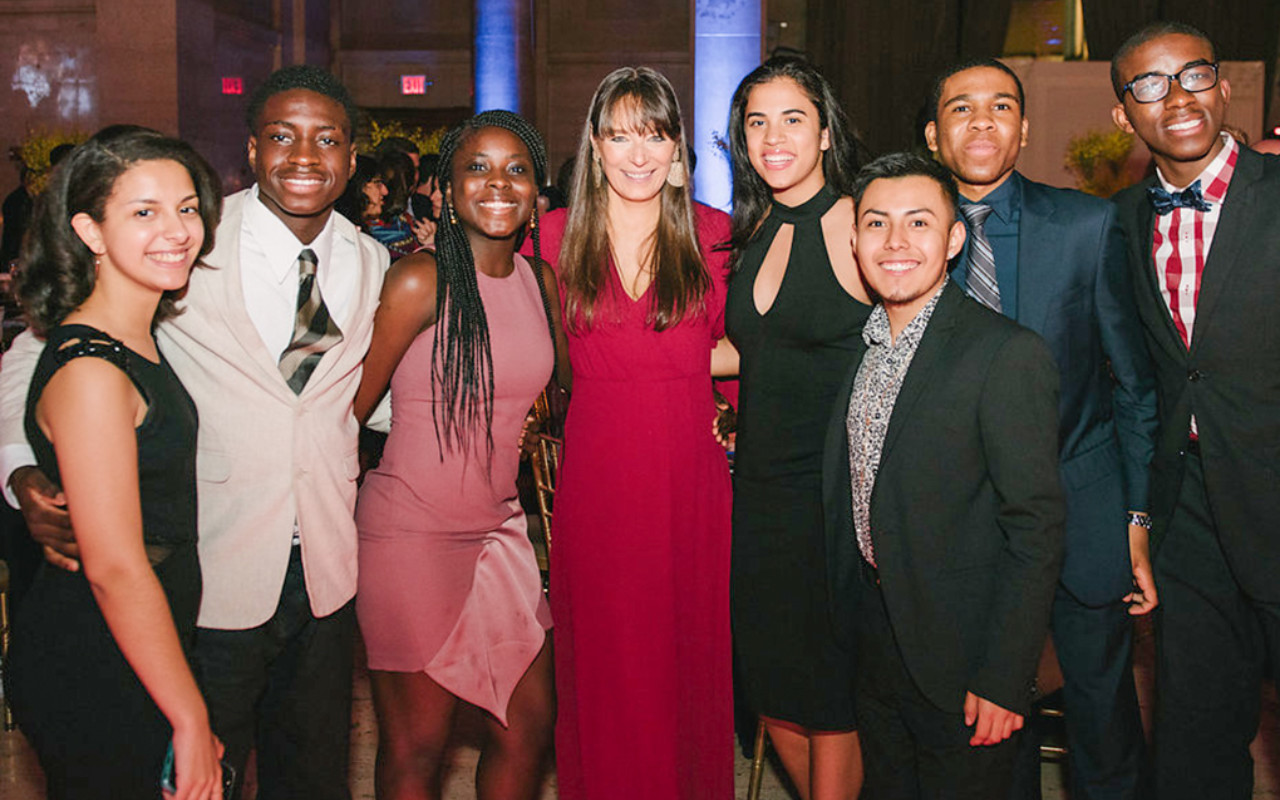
(1053, 260)
(1204, 241)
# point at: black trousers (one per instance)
(1107, 749)
(912, 749)
(284, 686)
(1212, 641)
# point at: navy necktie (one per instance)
(1191, 197)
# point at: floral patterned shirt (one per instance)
(875, 390)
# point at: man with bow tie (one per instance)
(1203, 243)
(1053, 260)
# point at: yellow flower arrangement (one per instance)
(34, 153)
(427, 141)
(1098, 159)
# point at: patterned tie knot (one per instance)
(1191, 197)
(307, 262)
(976, 213)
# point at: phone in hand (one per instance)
(168, 784)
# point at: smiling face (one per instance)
(904, 235)
(493, 188)
(785, 140)
(1182, 130)
(980, 129)
(302, 155)
(151, 231)
(635, 159)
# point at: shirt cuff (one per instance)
(12, 458)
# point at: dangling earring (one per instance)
(676, 176)
(533, 221)
(453, 220)
(97, 264)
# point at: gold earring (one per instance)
(453, 220)
(533, 221)
(676, 176)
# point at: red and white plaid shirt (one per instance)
(1183, 237)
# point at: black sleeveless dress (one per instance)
(793, 360)
(95, 729)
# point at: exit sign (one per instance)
(233, 86)
(414, 84)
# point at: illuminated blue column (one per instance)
(727, 42)
(503, 65)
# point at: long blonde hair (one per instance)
(642, 99)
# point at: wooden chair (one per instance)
(757, 762)
(4, 637)
(546, 475)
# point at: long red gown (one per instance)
(640, 558)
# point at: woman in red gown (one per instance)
(640, 564)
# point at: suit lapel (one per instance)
(1149, 281)
(1037, 229)
(929, 354)
(226, 291)
(1227, 240)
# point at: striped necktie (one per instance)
(981, 283)
(314, 331)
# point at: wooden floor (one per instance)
(20, 777)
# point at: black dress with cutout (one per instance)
(793, 359)
(97, 732)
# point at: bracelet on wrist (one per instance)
(1140, 519)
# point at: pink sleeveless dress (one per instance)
(448, 581)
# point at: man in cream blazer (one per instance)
(277, 469)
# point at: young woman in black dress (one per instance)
(98, 672)
(795, 312)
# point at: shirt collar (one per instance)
(1217, 176)
(1005, 200)
(876, 332)
(279, 246)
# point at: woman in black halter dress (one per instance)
(795, 312)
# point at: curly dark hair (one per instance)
(461, 359)
(302, 76)
(56, 269)
(751, 195)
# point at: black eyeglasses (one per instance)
(1154, 86)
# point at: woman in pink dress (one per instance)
(450, 601)
(640, 563)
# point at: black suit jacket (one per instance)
(1075, 289)
(967, 511)
(1230, 378)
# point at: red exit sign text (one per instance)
(414, 84)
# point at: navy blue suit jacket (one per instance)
(1075, 289)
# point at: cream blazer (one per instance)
(267, 456)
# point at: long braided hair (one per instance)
(461, 359)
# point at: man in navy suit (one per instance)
(1054, 261)
(1204, 245)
